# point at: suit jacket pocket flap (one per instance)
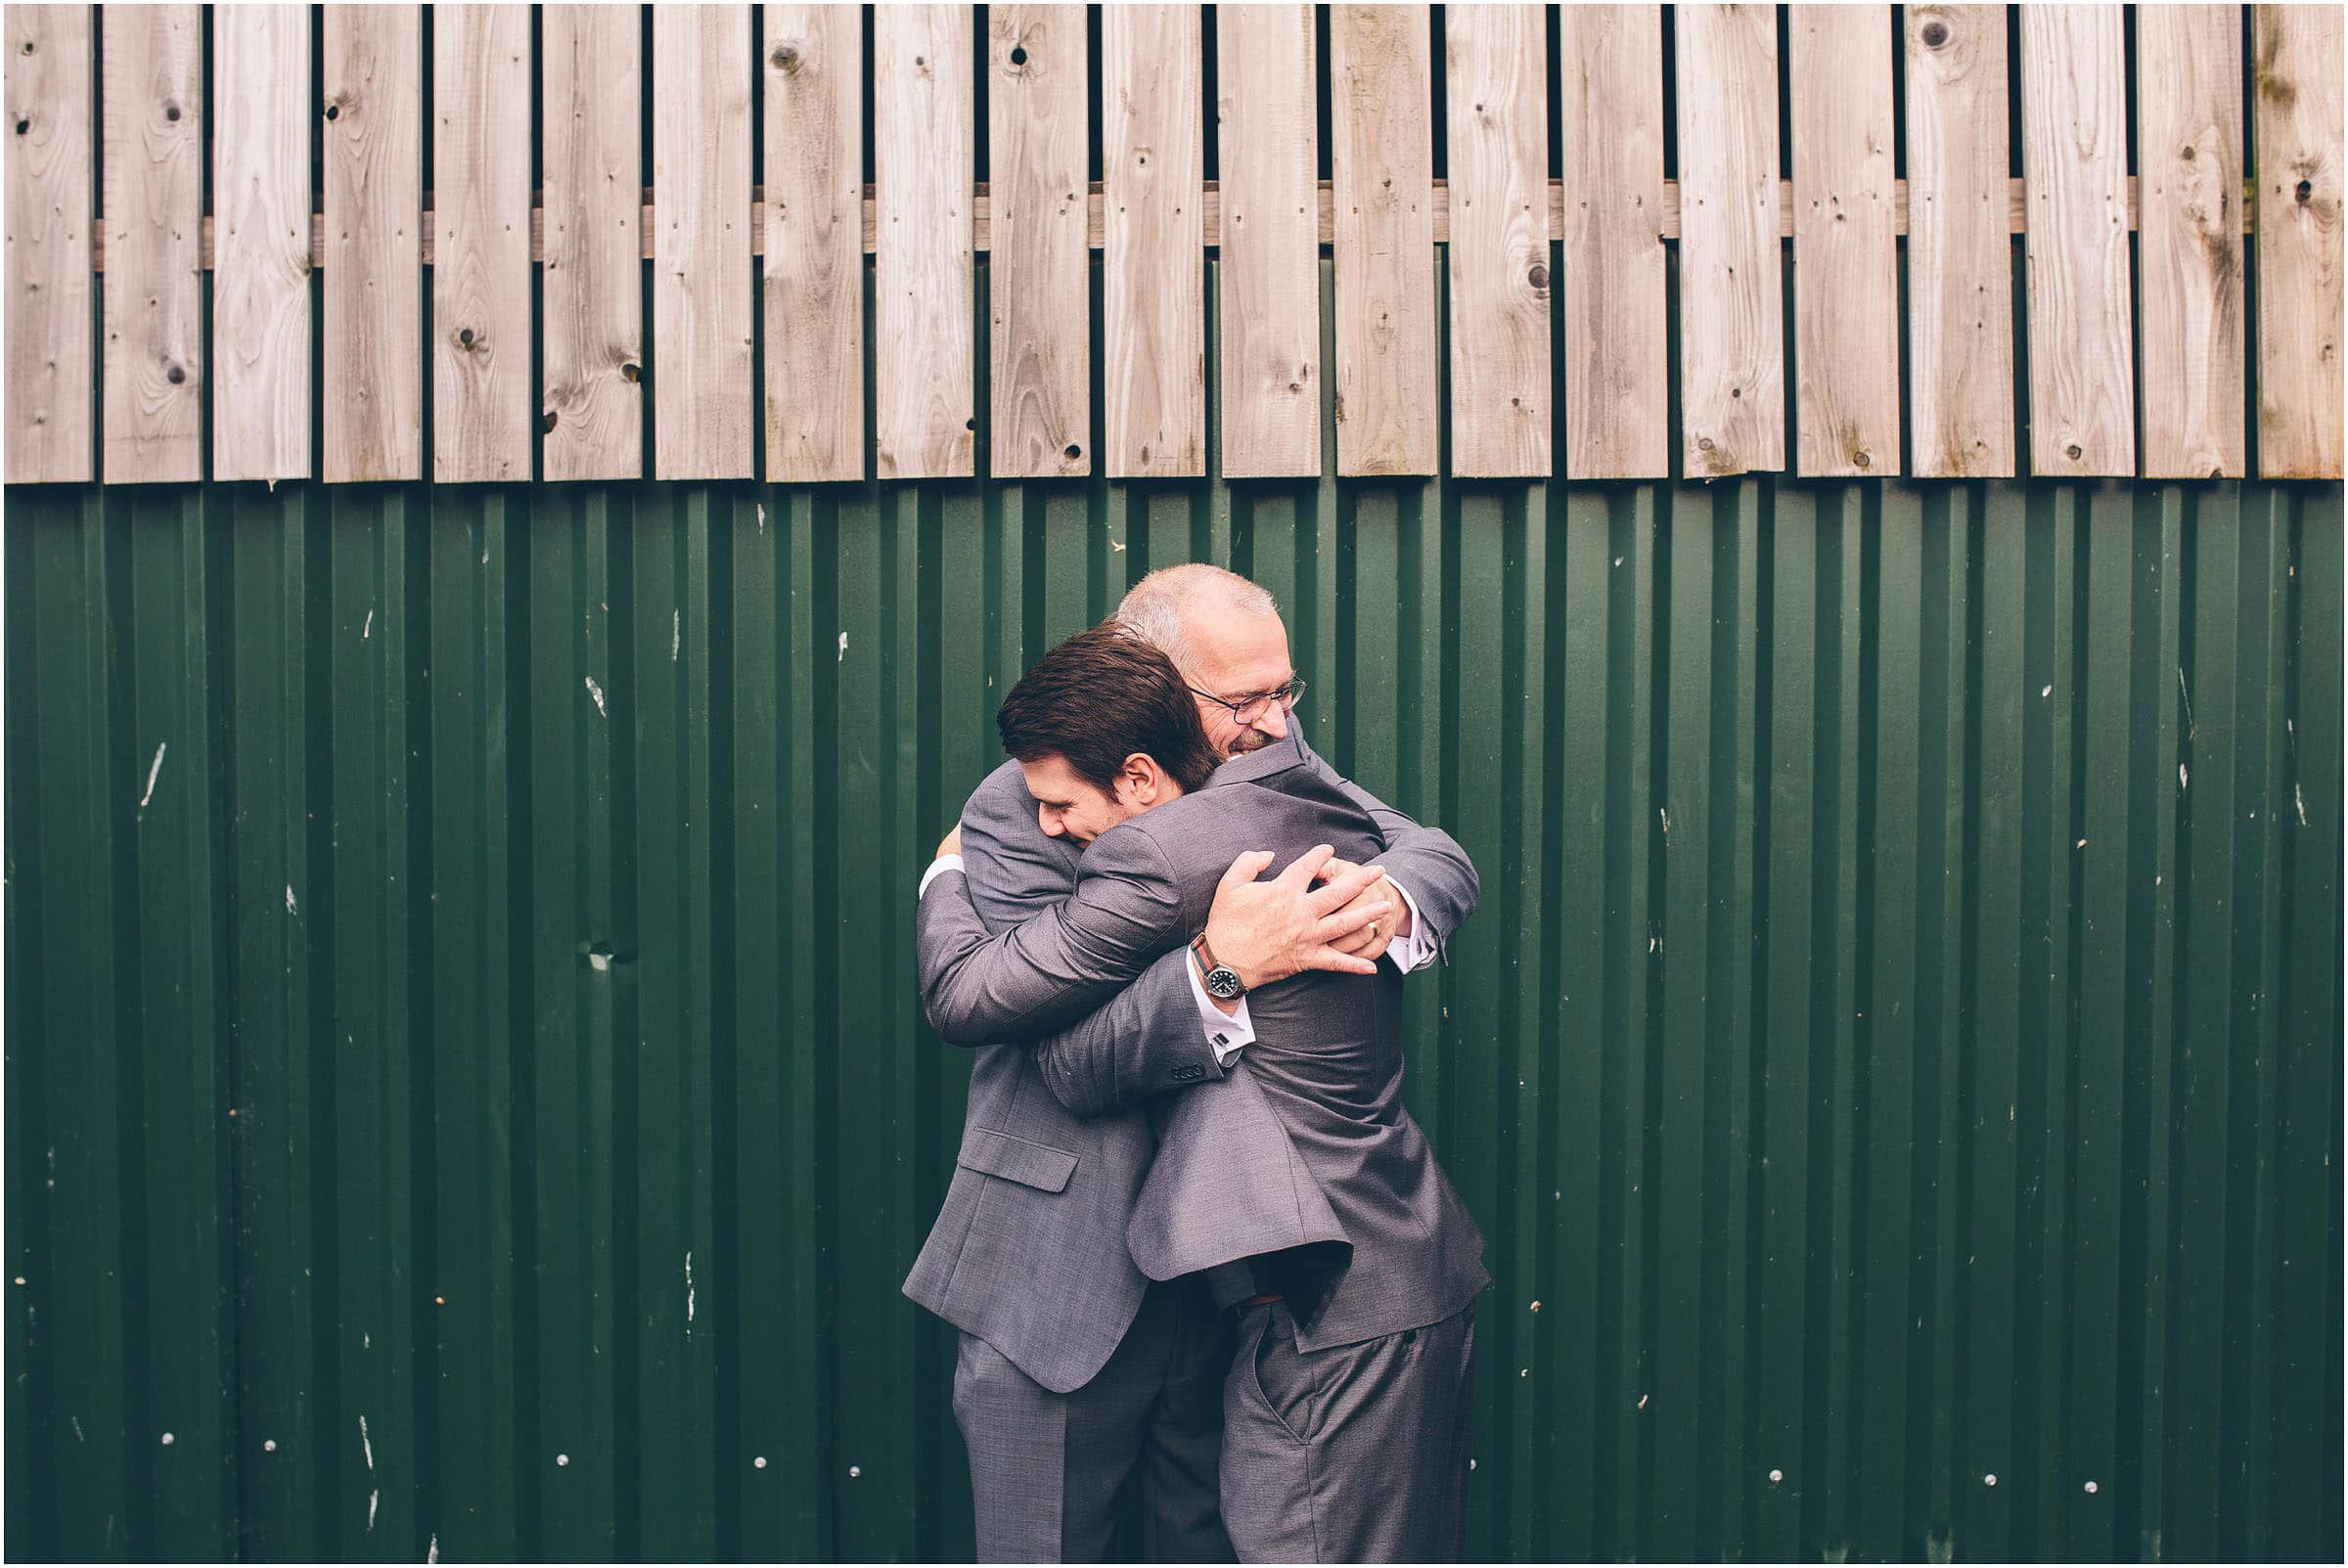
(1014, 1160)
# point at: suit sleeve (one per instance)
(1144, 1041)
(1429, 861)
(1059, 964)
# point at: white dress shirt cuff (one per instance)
(1227, 1032)
(937, 868)
(1417, 950)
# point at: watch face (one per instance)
(1223, 983)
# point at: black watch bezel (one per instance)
(1221, 982)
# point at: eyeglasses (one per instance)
(1247, 709)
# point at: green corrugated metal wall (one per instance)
(1900, 1042)
(465, 1090)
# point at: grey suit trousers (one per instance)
(1352, 1454)
(1046, 1468)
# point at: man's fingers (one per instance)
(1299, 874)
(1342, 889)
(1329, 957)
(1354, 917)
(1247, 867)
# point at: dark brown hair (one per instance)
(1098, 698)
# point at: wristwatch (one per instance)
(1220, 982)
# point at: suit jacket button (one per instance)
(1186, 1074)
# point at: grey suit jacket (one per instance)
(1030, 1250)
(1328, 1058)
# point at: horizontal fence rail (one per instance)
(467, 1094)
(1947, 241)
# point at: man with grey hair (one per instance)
(1062, 1388)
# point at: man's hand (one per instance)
(1267, 931)
(1371, 940)
(951, 844)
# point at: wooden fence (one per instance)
(1461, 205)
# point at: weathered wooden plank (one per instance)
(704, 389)
(1039, 343)
(2189, 99)
(814, 244)
(52, 360)
(2297, 50)
(590, 412)
(481, 236)
(1846, 291)
(2075, 164)
(1153, 269)
(922, 124)
(1382, 160)
(374, 392)
(1959, 243)
(1496, 67)
(1732, 335)
(262, 327)
(1617, 354)
(153, 195)
(1269, 292)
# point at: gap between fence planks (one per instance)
(1210, 212)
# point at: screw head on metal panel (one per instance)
(1989, 1480)
(167, 1440)
(1776, 1476)
(855, 1470)
(759, 1463)
(269, 1445)
(2090, 1489)
(561, 1459)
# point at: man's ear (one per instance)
(1142, 781)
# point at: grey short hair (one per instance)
(1156, 608)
